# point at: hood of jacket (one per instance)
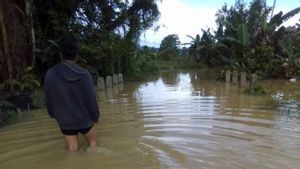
(70, 72)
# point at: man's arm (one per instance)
(47, 95)
(90, 99)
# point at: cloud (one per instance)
(182, 18)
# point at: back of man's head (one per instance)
(69, 48)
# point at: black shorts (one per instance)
(76, 131)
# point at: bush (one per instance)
(8, 114)
(38, 99)
(9, 117)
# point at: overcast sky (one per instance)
(188, 17)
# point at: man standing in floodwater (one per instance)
(71, 99)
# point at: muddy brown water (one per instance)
(181, 120)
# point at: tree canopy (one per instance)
(108, 31)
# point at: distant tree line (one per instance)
(248, 38)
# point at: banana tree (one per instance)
(240, 45)
(207, 49)
(255, 52)
(195, 42)
(273, 30)
(266, 36)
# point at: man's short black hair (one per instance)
(69, 48)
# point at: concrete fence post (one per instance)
(235, 75)
(100, 83)
(243, 79)
(120, 77)
(228, 76)
(108, 81)
(115, 79)
(254, 79)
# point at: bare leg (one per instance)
(91, 138)
(72, 142)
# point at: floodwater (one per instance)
(182, 120)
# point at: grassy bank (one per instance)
(151, 72)
(179, 64)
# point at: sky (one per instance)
(188, 17)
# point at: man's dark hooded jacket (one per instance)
(70, 96)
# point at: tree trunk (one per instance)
(28, 4)
(274, 4)
(5, 43)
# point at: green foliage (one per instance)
(243, 35)
(144, 64)
(26, 82)
(38, 99)
(9, 117)
(289, 52)
(207, 50)
(169, 47)
(5, 105)
(167, 54)
(170, 41)
(7, 113)
(47, 52)
(195, 42)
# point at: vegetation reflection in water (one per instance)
(181, 120)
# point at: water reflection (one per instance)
(169, 78)
(181, 120)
